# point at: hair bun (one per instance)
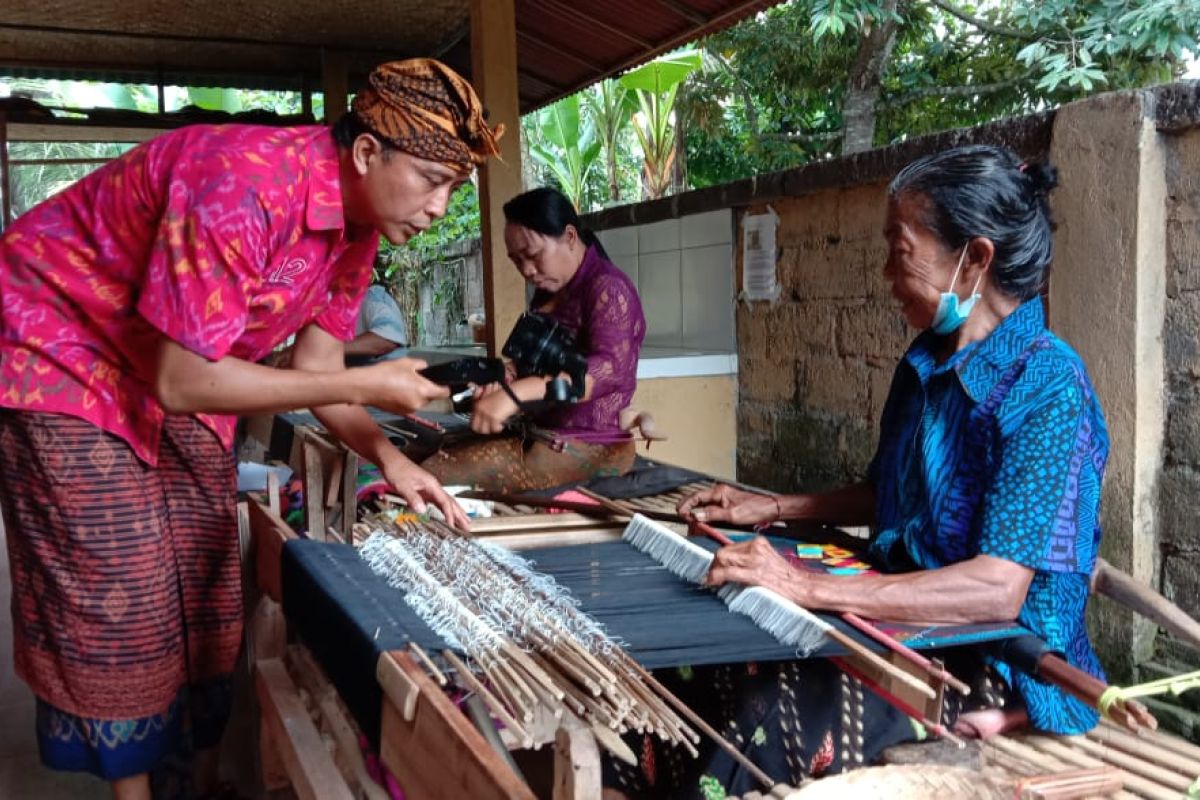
(1043, 177)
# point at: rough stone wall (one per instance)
(815, 366)
(1180, 489)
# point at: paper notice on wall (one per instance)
(759, 280)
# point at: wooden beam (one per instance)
(290, 733)
(536, 78)
(335, 83)
(588, 19)
(269, 533)
(438, 755)
(494, 71)
(78, 131)
(576, 762)
(559, 51)
(5, 175)
(684, 10)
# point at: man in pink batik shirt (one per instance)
(135, 305)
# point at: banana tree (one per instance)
(656, 85)
(565, 142)
(611, 105)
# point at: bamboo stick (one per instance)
(424, 658)
(1133, 765)
(1142, 748)
(1134, 783)
(1163, 740)
(704, 727)
(494, 705)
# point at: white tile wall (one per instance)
(683, 269)
(707, 297)
(658, 237)
(711, 227)
(627, 264)
(620, 241)
(659, 288)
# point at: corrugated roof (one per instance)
(562, 45)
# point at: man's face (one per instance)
(398, 194)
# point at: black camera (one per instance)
(540, 346)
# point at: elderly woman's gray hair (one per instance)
(981, 190)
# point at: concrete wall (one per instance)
(815, 366)
(704, 438)
(1180, 492)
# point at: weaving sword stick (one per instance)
(789, 623)
(934, 670)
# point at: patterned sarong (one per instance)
(127, 604)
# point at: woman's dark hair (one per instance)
(349, 127)
(981, 190)
(548, 211)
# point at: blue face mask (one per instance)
(951, 313)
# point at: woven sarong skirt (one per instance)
(126, 580)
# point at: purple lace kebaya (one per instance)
(600, 306)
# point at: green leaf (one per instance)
(663, 73)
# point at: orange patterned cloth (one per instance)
(426, 109)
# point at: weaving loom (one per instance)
(353, 623)
(348, 616)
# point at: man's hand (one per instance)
(419, 488)
(396, 386)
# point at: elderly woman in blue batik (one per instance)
(984, 492)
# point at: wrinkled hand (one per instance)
(723, 503)
(396, 386)
(491, 412)
(753, 563)
(419, 488)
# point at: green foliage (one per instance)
(565, 142)
(771, 92)
(656, 85)
(404, 269)
(610, 106)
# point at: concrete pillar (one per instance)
(494, 75)
(335, 84)
(1107, 299)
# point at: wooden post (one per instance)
(335, 83)
(494, 75)
(576, 762)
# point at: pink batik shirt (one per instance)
(227, 239)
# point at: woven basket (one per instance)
(910, 782)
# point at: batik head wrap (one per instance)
(426, 109)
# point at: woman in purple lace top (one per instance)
(577, 286)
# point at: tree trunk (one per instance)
(614, 185)
(679, 170)
(862, 91)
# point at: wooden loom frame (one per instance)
(426, 741)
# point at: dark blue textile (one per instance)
(347, 615)
(1000, 451)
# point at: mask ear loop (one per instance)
(961, 260)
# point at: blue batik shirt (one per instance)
(1000, 451)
